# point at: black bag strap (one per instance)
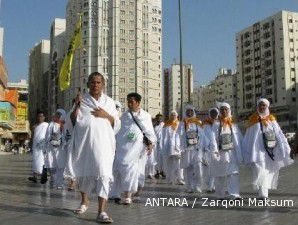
(270, 154)
(134, 119)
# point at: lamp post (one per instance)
(181, 62)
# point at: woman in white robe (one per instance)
(225, 145)
(208, 125)
(265, 165)
(38, 147)
(171, 153)
(129, 162)
(154, 161)
(92, 146)
(191, 143)
(160, 167)
(53, 143)
(60, 153)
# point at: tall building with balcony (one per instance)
(223, 88)
(122, 40)
(172, 87)
(267, 65)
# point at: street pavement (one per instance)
(23, 202)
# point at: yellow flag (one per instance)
(76, 42)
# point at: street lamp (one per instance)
(181, 63)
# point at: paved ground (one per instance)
(22, 202)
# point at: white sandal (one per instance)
(82, 209)
(104, 218)
(126, 201)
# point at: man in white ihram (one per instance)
(92, 147)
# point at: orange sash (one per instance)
(174, 124)
(188, 121)
(255, 118)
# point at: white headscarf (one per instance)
(267, 103)
(174, 112)
(189, 107)
(63, 114)
(211, 109)
(225, 104)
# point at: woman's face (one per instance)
(224, 111)
(173, 116)
(213, 114)
(189, 113)
(262, 107)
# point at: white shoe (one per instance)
(126, 201)
(197, 190)
(234, 197)
(136, 198)
(180, 182)
(189, 190)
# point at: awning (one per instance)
(7, 135)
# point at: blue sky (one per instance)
(209, 29)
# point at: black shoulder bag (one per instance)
(268, 150)
(146, 140)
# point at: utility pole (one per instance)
(181, 62)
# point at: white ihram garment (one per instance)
(130, 160)
(225, 164)
(265, 170)
(91, 149)
(38, 147)
(191, 156)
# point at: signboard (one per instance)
(22, 111)
(6, 112)
(21, 127)
(12, 96)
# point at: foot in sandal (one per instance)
(81, 209)
(104, 218)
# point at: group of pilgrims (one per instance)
(97, 152)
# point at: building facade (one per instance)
(267, 65)
(121, 40)
(223, 88)
(172, 87)
(39, 60)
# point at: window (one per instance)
(266, 35)
(268, 82)
(248, 105)
(267, 44)
(268, 91)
